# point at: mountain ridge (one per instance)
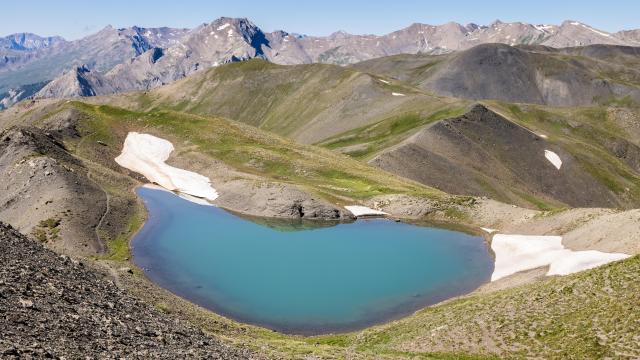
(184, 51)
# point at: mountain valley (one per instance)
(507, 130)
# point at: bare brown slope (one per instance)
(46, 192)
(531, 74)
(484, 154)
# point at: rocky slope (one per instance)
(52, 306)
(46, 192)
(481, 153)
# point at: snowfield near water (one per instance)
(358, 211)
(553, 158)
(515, 253)
(146, 155)
(193, 199)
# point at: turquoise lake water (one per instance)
(301, 279)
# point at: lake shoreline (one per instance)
(402, 310)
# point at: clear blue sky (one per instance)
(74, 19)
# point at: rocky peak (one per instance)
(341, 34)
(82, 69)
(28, 42)
(470, 27)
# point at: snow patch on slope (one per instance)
(358, 210)
(515, 253)
(146, 155)
(553, 158)
(590, 28)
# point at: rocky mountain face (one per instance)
(100, 51)
(343, 48)
(28, 42)
(138, 58)
(20, 93)
(222, 41)
(78, 82)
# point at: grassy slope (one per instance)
(586, 315)
(246, 149)
(317, 103)
(364, 142)
(304, 102)
(586, 132)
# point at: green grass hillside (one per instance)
(242, 147)
(601, 139)
(307, 103)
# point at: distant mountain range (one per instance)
(116, 60)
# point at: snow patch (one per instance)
(193, 199)
(515, 253)
(544, 28)
(397, 94)
(384, 81)
(146, 154)
(582, 260)
(230, 33)
(553, 158)
(489, 230)
(358, 210)
(224, 26)
(590, 28)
